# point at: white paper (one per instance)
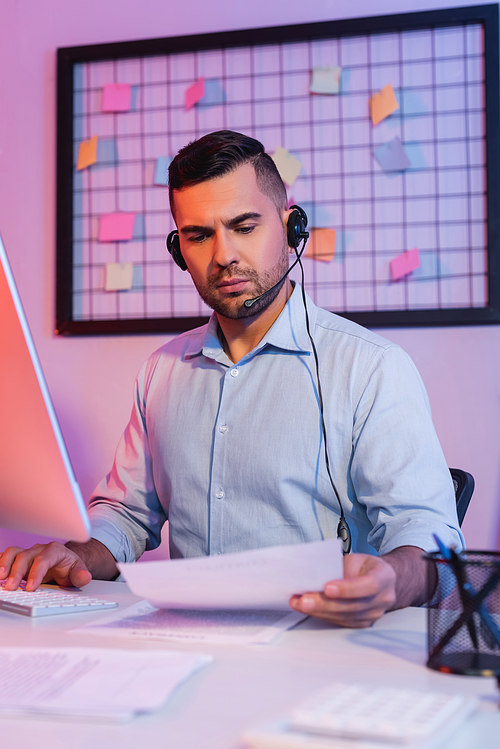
(257, 579)
(145, 622)
(90, 683)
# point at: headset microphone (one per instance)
(250, 302)
(295, 234)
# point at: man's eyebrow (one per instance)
(241, 218)
(194, 228)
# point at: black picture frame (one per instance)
(486, 15)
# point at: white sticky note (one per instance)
(119, 276)
(325, 80)
(288, 166)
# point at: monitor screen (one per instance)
(38, 490)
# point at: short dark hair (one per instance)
(219, 153)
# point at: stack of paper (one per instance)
(90, 683)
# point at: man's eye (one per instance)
(198, 238)
(245, 229)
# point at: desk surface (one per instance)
(248, 685)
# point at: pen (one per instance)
(456, 564)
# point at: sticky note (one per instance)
(325, 80)
(321, 245)
(392, 156)
(404, 264)
(288, 166)
(194, 93)
(119, 276)
(382, 104)
(213, 93)
(116, 97)
(161, 171)
(87, 153)
(116, 227)
(318, 216)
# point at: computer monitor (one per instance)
(38, 490)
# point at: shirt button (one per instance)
(219, 493)
(223, 428)
(234, 372)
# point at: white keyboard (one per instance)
(371, 715)
(48, 600)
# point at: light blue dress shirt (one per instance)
(232, 454)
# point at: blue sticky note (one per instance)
(213, 94)
(107, 152)
(318, 216)
(161, 172)
(392, 156)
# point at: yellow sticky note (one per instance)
(325, 80)
(87, 153)
(383, 104)
(321, 245)
(119, 276)
(288, 166)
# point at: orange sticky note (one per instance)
(194, 93)
(321, 245)
(383, 104)
(116, 97)
(116, 227)
(404, 264)
(87, 153)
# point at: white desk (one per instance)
(248, 685)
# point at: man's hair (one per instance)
(222, 152)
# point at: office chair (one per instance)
(464, 486)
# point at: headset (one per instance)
(295, 234)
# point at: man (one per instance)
(225, 437)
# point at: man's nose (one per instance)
(225, 251)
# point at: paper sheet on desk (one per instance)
(90, 683)
(141, 621)
(256, 579)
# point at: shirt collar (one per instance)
(288, 332)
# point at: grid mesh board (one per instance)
(437, 205)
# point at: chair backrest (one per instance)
(464, 487)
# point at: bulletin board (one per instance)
(413, 199)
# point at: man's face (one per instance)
(233, 241)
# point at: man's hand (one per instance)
(72, 565)
(371, 586)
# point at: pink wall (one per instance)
(91, 378)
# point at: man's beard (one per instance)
(260, 283)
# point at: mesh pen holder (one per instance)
(463, 618)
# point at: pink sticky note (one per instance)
(404, 264)
(194, 93)
(116, 227)
(116, 97)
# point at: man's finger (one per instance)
(21, 565)
(6, 559)
(358, 587)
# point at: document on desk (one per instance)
(256, 579)
(142, 621)
(90, 683)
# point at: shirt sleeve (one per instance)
(125, 511)
(398, 470)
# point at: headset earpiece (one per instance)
(296, 227)
(174, 247)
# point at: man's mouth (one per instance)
(232, 285)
